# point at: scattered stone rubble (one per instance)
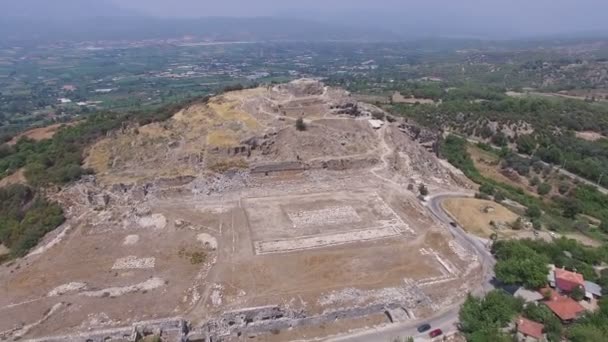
(133, 262)
(67, 288)
(397, 302)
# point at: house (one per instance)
(529, 331)
(527, 295)
(566, 281)
(592, 290)
(565, 308)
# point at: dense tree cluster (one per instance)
(520, 264)
(482, 319)
(25, 217)
(512, 255)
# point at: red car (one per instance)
(435, 333)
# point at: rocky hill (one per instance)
(254, 130)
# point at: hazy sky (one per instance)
(540, 16)
(459, 17)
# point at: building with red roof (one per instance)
(529, 330)
(567, 281)
(566, 308)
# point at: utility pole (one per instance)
(599, 180)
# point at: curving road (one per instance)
(446, 320)
(476, 244)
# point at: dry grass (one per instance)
(224, 165)
(154, 130)
(589, 136)
(585, 240)
(470, 214)
(488, 166)
(228, 110)
(99, 155)
(222, 138)
(4, 250)
(41, 133)
(18, 177)
(194, 255)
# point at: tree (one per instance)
(604, 226)
(577, 293)
(300, 124)
(534, 181)
(533, 211)
(519, 264)
(499, 196)
(571, 208)
(487, 189)
(499, 139)
(423, 190)
(586, 333)
(543, 189)
(526, 144)
(484, 317)
(563, 187)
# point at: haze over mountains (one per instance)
(383, 20)
(41, 20)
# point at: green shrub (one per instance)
(487, 189)
(533, 211)
(543, 189)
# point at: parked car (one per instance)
(453, 224)
(435, 333)
(423, 328)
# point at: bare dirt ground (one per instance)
(589, 136)
(17, 177)
(475, 216)
(4, 250)
(227, 215)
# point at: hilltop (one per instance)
(281, 212)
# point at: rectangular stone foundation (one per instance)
(319, 241)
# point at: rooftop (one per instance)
(567, 281)
(565, 308)
(530, 328)
(593, 288)
(527, 295)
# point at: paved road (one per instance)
(446, 320)
(478, 245)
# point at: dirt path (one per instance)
(386, 151)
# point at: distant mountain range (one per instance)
(80, 20)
